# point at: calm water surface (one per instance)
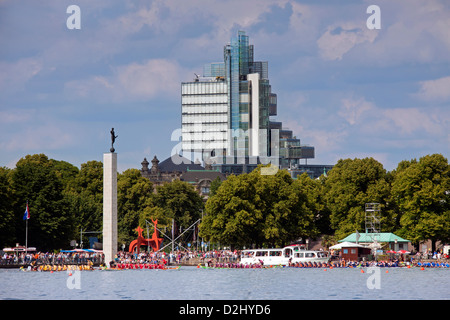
(189, 283)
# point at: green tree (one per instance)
(84, 195)
(421, 190)
(7, 221)
(35, 179)
(66, 171)
(315, 191)
(231, 216)
(155, 213)
(254, 209)
(215, 185)
(349, 186)
(288, 212)
(180, 201)
(134, 198)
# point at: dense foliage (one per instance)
(64, 200)
(262, 210)
(258, 209)
(247, 210)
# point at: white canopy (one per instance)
(375, 245)
(16, 249)
(346, 245)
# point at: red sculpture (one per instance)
(154, 241)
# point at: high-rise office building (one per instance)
(204, 117)
(226, 113)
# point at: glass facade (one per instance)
(226, 113)
(204, 117)
(261, 67)
(249, 117)
(215, 69)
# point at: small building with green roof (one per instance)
(395, 242)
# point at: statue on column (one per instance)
(113, 139)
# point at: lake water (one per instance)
(191, 283)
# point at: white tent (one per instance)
(346, 245)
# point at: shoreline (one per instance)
(426, 263)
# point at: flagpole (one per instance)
(26, 217)
(173, 225)
(26, 238)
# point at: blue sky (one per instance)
(349, 91)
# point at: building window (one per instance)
(205, 190)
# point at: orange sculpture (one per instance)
(154, 241)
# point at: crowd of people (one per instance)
(330, 265)
(50, 258)
(436, 255)
(346, 264)
(96, 258)
(213, 258)
(177, 257)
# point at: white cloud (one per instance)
(303, 18)
(136, 18)
(46, 136)
(352, 109)
(149, 79)
(171, 16)
(340, 39)
(135, 81)
(411, 120)
(141, 51)
(435, 90)
(412, 31)
(323, 139)
(14, 117)
(13, 76)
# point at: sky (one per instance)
(346, 89)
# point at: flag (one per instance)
(26, 215)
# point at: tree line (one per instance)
(63, 200)
(275, 210)
(246, 210)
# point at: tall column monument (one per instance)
(110, 202)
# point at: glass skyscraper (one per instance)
(226, 112)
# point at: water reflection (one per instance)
(227, 284)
